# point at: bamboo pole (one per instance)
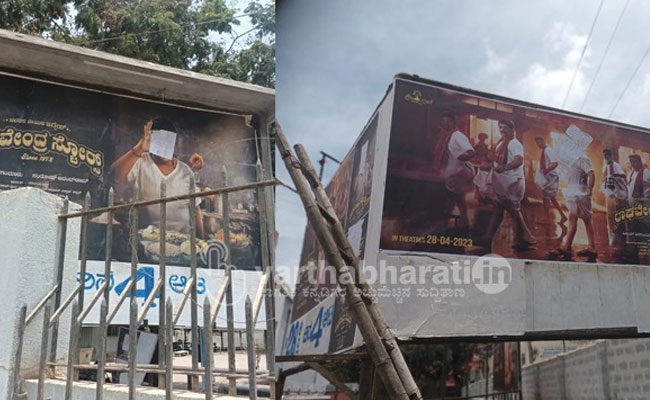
(71, 350)
(267, 263)
(43, 356)
(334, 380)
(194, 312)
(230, 313)
(169, 356)
(101, 351)
(62, 235)
(371, 303)
(207, 348)
(40, 305)
(84, 252)
(162, 304)
(250, 350)
(376, 349)
(133, 309)
(133, 346)
(20, 334)
(139, 203)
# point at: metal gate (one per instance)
(53, 305)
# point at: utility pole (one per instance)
(324, 158)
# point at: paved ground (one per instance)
(220, 362)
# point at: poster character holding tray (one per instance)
(150, 162)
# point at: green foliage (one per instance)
(198, 35)
(32, 16)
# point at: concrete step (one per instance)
(55, 390)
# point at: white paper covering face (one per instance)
(163, 143)
(570, 146)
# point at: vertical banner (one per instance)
(320, 321)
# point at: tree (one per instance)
(198, 35)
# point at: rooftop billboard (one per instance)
(473, 175)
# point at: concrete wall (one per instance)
(609, 369)
(585, 372)
(553, 379)
(28, 240)
(545, 300)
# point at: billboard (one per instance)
(470, 174)
(70, 142)
(320, 321)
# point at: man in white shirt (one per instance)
(509, 187)
(638, 195)
(548, 179)
(581, 179)
(149, 170)
(614, 187)
(452, 157)
(639, 190)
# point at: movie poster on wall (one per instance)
(71, 142)
(320, 320)
(472, 174)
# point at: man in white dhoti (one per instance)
(581, 179)
(614, 187)
(452, 156)
(639, 189)
(509, 186)
(547, 178)
(638, 228)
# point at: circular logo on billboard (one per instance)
(491, 274)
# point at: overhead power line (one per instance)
(602, 60)
(636, 70)
(584, 50)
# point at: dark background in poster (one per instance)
(112, 125)
(415, 198)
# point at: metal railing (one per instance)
(168, 317)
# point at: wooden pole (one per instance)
(366, 375)
(194, 312)
(169, 352)
(162, 305)
(18, 354)
(250, 350)
(230, 313)
(376, 349)
(343, 243)
(334, 380)
(101, 350)
(267, 264)
(207, 348)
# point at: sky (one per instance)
(336, 58)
